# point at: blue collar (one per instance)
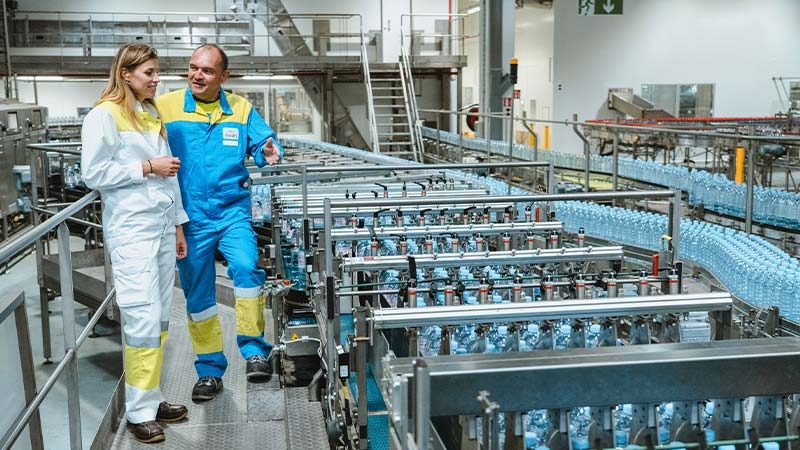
(190, 105)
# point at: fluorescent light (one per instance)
(473, 10)
(169, 77)
(268, 77)
(40, 78)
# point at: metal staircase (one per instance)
(392, 115)
(289, 40)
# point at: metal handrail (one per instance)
(71, 343)
(156, 31)
(27, 239)
(414, 127)
(411, 102)
(454, 36)
(370, 103)
(637, 129)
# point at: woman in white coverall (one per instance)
(126, 157)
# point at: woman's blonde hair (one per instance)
(129, 56)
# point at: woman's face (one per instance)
(143, 79)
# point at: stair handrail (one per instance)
(373, 124)
(72, 343)
(411, 101)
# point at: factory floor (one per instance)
(245, 416)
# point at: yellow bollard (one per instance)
(547, 137)
(739, 176)
(530, 136)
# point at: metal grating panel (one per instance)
(239, 436)
(265, 404)
(304, 422)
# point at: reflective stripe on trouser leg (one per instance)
(250, 322)
(238, 244)
(141, 303)
(143, 359)
(205, 331)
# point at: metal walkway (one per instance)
(244, 415)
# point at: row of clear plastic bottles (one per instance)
(72, 175)
(714, 191)
(749, 266)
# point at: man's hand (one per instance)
(181, 248)
(271, 152)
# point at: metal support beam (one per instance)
(387, 318)
(652, 373)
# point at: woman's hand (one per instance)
(181, 248)
(163, 166)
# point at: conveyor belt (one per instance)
(378, 420)
(244, 415)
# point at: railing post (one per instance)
(68, 316)
(47, 350)
(422, 403)
(750, 183)
(28, 373)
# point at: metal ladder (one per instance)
(392, 116)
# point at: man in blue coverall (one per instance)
(212, 133)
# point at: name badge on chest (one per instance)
(230, 136)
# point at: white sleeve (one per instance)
(100, 143)
(180, 214)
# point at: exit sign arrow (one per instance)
(599, 7)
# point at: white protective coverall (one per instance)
(139, 218)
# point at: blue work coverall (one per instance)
(212, 148)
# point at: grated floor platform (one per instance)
(244, 416)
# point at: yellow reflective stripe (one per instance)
(147, 123)
(170, 107)
(250, 316)
(163, 338)
(206, 335)
(143, 367)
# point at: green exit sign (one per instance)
(599, 7)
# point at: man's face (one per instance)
(205, 74)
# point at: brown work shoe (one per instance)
(147, 432)
(169, 412)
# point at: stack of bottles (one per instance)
(749, 266)
(714, 191)
(293, 254)
(260, 197)
(72, 175)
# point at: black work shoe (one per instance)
(147, 432)
(259, 369)
(206, 388)
(170, 413)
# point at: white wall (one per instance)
(738, 45)
(533, 44)
(533, 47)
(62, 98)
